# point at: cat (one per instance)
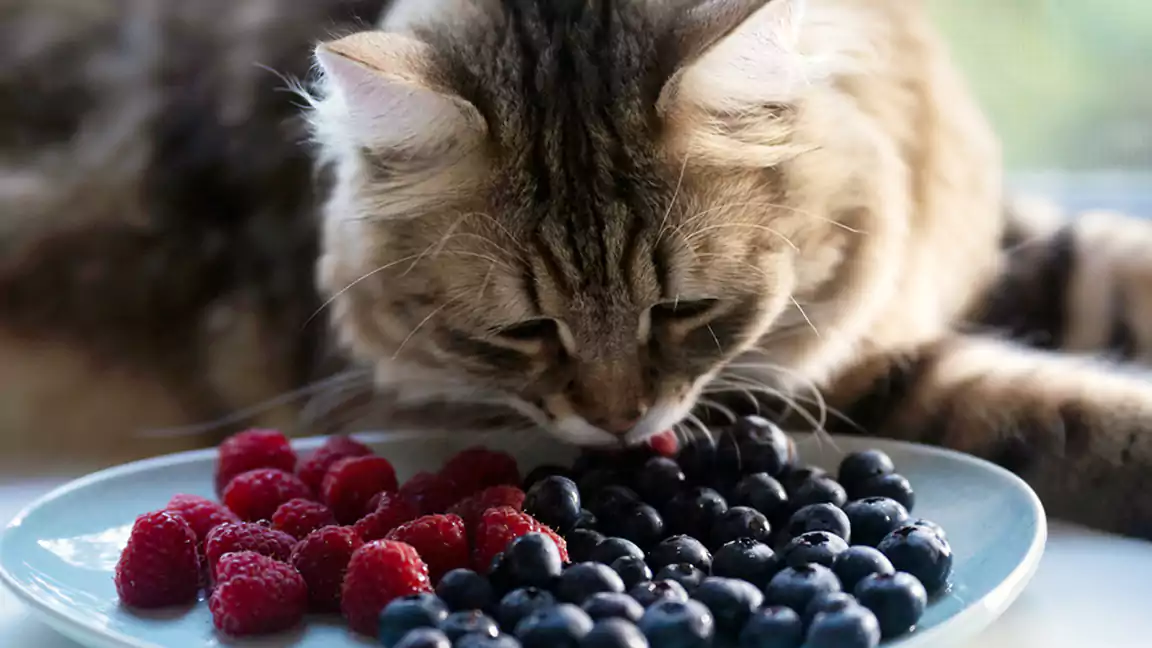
(597, 214)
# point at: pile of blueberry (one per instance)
(731, 543)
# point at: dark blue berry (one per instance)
(582, 580)
(607, 605)
(813, 547)
(773, 627)
(763, 493)
(930, 525)
(555, 501)
(687, 575)
(632, 570)
(611, 549)
(748, 559)
(892, 486)
(795, 587)
(641, 524)
(586, 520)
(484, 641)
(797, 476)
(594, 481)
(680, 549)
(693, 511)
(858, 562)
(610, 505)
(698, 461)
(519, 603)
(739, 522)
(731, 601)
(827, 602)
(500, 575)
(678, 624)
(581, 544)
(821, 517)
(820, 490)
(560, 626)
(407, 613)
(898, 601)
(464, 589)
(852, 627)
(872, 518)
(652, 592)
(614, 633)
(459, 624)
(920, 552)
(423, 638)
(763, 447)
(540, 472)
(659, 480)
(862, 466)
(534, 560)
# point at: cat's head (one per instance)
(582, 209)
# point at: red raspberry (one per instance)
(430, 493)
(440, 539)
(322, 558)
(392, 510)
(499, 526)
(299, 517)
(251, 450)
(256, 595)
(471, 508)
(256, 494)
(352, 481)
(478, 468)
(247, 536)
(201, 513)
(665, 444)
(160, 566)
(312, 472)
(379, 572)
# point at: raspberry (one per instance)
(440, 539)
(430, 493)
(255, 594)
(499, 526)
(391, 511)
(247, 536)
(299, 517)
(471, 508)
(352, 481)
(312, 471)
(665, 444)
(160, 566)
(379, 572)
(322, 558)
(477, 468)
(201, 513)
(251, 450)
(256, 494)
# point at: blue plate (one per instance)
(58, 555)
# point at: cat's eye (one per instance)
(684, 309)
(533, 330)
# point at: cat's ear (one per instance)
(385, 91)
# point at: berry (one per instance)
(857, 562)
(519, 603)
(641, 524)
(763, 493)
(851, 627)
(813, 547)
(651, 592)
(499, 526)
(555, 501)
(659, 480)
(542, 471)
(471, 508)
(465, 622)
(892, 486)
(731, 602)
(614, 633)
(480, 640)
(693, 511)
(795, 587)
(255, 594)
(160, 566)
(533, 560)
(608, 605)
(201, 513)
(678, 624)
(582, 543)
(612, 549)
(500, 575)
(299, 517)
(898, 601)
(748, 559)
(247, 536)
(312, 471)
(931, 526)
(773, 627)
(352, 481)
(665, 444)
(609, 504)
(861, 466)
(698, 461)
(821, 517)
(250, 450)
(819, 490)
(560, 626)
(687, 575)
(464, 589)
(440, 540)
(920, 552)
(740, 522)
(582, 580)
(827, 602)
(632, 570)
(424, 638)
(595, 480)
(763, 447)
(256, 494)
(322, 559)
(680, 549)
(379, 572)
(430, 493)
(391, 511)
(586, 520)
(475, 469)
(872, 518)
(797, 476)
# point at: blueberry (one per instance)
(773, 627)
(852, 627)
(423, 638)
(892, 486)
(534, 560)
(632, 570)
(519, 603)
(581, 544)
(484, 641)
(595, 480)
(858, 562)
(555, 501)
(813, 547)
(689, 576)
(611, 549)
(614, 633)
(763, 493)
(678, 624)
(611, 503)
(827, 602)
(795, 587)
(459, 624)
(407, 613)
(820, 490)
(872, 518)
(540, 472)
(641, 524)
(560, 626)
(931, 526)
(820, 517)
(920, 552)
(652, 592)
(740, 522)
(748, 559)
(659, 480)
(731, 601)
(607, 605)
(797, 476)
(898, 601)
(586, 520)
(500, 575)
(582, 580)
(464, 589)
(698, 461)
(693, 511)
(680, 549)
(763, 446)
(861, 466)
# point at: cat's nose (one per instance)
(620, 423)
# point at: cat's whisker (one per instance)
(714, 405)
(419, 326)
(697, 233)
(672, 203)
(715, 339)
(804, 314)
(328, 302)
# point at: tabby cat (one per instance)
(597, 213)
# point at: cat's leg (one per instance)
(1078, 430)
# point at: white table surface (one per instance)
(1092, 590)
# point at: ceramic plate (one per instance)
(58, 555)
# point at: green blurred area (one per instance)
(1067, 83)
